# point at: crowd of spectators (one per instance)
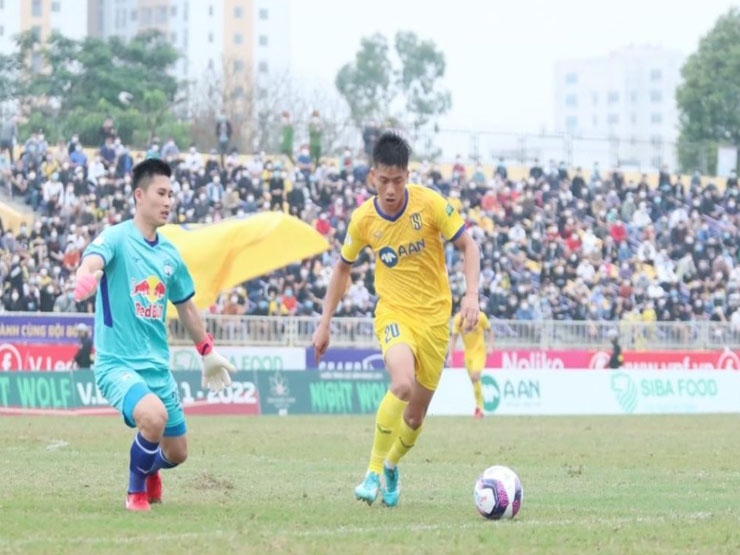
(554, 244)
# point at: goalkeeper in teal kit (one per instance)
(135, 271)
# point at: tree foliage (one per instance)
(367, 84)
(709, 97)
(66, 86)
(371, 83)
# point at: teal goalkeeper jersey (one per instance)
(131, 303)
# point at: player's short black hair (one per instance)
(143, 172)
(391, 150)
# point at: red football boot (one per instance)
(478, 413)
(154, 487)
(137, 501)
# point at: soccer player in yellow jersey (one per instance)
(404, 226)
(475, 352)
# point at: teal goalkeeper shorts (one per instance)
(123, 388)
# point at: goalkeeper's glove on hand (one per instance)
(216, 368)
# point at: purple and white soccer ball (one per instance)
(498, 493)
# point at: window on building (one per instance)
(146, 16)
(36, 62)
(210, 64)
(633, 118)
(2, 4)
(656, 140)
(656, 96)
(633, 97)
(571, 101)
(656, 75)
(161, 16)
(210, 37)
(173, 11)
(594, 121)
(238, 65)
(56, 7)
(36, 30)
(263, 40)
(2, 30)
(238, 92)
(656, 117)
(238, 38)
(612, 97)
(613, 119)
(656, 161)
(36, 8)
(238, 12)
(571, 78)
(185, 37)
(571, 123)
(133, 15)
(210, 9)
(264, 14)
(262, 67)
(185, 11)
(594, 98)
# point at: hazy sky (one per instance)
(500, 55)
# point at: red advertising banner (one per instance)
(682, 360)
(532, 359)
(37, 356)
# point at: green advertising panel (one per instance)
(320, 392)
(252, 392)
(42, 390)
(77, 390)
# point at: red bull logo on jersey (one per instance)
(390, 256)
(152, 290)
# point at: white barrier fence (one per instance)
(360, 333)
(572, 392)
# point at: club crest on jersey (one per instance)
(416, 220)
(390, 256)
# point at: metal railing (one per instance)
(285, 331)
(359, 332)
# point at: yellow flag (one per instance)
(222, 255)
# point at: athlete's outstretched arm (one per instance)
(469, 304)
(88, 275)
(190, 318)
(334, 293)
(215, 367)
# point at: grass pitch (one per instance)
(659, 484)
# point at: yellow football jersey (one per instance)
(473, 340)
(410, 272)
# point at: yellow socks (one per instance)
(478, 392)
(387, 421)
(404, 442)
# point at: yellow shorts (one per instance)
(475, 363)
(428, 343)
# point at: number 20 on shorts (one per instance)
(391, 331)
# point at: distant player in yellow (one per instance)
(404, 226)
(475, 352)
